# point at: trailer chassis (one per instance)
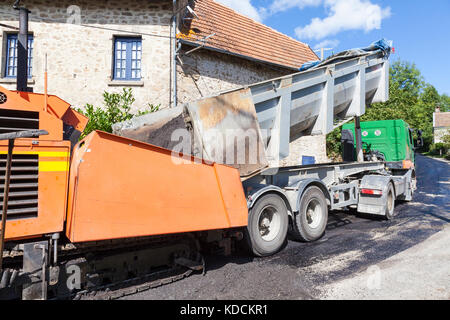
(309, 192)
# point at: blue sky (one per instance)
(420, 29)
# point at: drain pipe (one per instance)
(174, 54)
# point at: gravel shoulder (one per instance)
(420, 272)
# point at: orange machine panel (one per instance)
(34, 102)
(51, 116)
(38, 188)
(124, 188)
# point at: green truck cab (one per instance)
(387, 140)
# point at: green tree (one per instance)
(445, 103)
(405, 86)
(423, 113)
(334, 147)
(406, 77)
(117, 108)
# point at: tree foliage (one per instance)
(117, 108)
(410, 99)
(445, 103)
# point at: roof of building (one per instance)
(441, 119)
(242, 36)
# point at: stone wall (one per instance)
(439, 134)
(80, 58)
(312, 146)
(207, 72)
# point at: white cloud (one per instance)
(283, 5)
(345, 15)
(244, 7)
(327, 44)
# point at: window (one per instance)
(127, 58)
(11, 55)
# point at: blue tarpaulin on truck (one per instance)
(384, 46)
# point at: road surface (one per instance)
(358, 258)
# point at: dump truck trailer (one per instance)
(263, 119)
(141, 204)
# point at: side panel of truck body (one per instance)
(121, 188)
(391, 137)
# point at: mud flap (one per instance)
(374, 204)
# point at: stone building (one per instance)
(107, 45)
(441, 125)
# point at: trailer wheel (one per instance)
(390, 203)
(310, 222)
(267, 225)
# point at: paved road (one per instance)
(357, 258)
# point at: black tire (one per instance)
(307, 227)
(390, 203)
(266, 209)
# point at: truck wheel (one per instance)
(390, 202)
(267, 225)
(310, 222)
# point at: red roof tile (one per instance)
(240, 35)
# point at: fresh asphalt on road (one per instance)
(358, 257)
